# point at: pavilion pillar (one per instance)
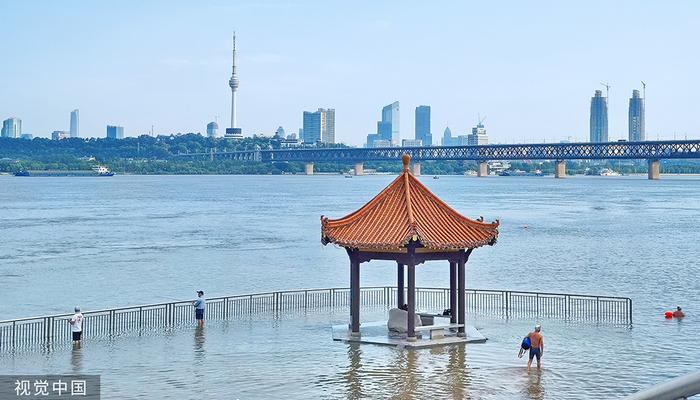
(411, 326)
(400, 301)
(354, 296)
(309, 168)
(461, 299)
(483, 169)
(653, 171)
(560, 169)
(453, 292)
(359, 169)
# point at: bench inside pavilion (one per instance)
(408, 224)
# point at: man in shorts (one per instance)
(199, 305)
(536, 346)
(76, 326)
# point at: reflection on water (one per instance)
(534, 388)
(76, 358)
(199, 353)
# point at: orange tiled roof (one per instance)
(407, 210)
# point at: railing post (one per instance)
(629, 302)
(225, 308)
(111, 322)
(567, 307)
(140, 318)
(306, 299)
(507, 296)
(597, 309)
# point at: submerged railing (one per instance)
(51, 329)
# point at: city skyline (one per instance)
(162, 76)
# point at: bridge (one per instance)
(653, 151)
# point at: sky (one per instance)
(528, 68)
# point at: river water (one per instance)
(106, 242)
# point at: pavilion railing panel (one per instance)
(45, 330)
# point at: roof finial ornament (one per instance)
(406, 160)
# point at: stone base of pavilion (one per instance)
(377, 333)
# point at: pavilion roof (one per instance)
(407, 211)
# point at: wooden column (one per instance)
(461, 295)
(354, 296)
(411, 328)
(453, 292)
(399, 286)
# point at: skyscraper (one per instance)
(447, 137)
(115, 132)
(234, 132)
(312, 127)
(390, 114)
(478, 136)
(327, 125)
(74, 123)
(599, 118)
(12, 128)
(636, 118)
(212, 129)
(423, 125)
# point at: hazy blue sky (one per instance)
(529, 67)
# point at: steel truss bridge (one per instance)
(651, 150)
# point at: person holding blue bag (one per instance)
(535, 343)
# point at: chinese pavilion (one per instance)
(408, 224)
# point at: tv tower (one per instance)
(233, 83)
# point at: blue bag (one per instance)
(525, 345)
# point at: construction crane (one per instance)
(607, 91)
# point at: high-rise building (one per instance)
(234, 132)
(599, 118)
(312, 127)
(279, 133)
(636, 118)
(212, 129)
(423, 125)
(447, 137)
(390, 114)
(327, 125)
(478, 136)
(58, 135)
(319, 126)
(12, 128)
(115, 132)
(74, 123)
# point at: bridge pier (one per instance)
(415, 169)
(654, 169)
(483, 169)
(359, 169)
(309, 168)
(560, 169)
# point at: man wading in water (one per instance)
(536, 346)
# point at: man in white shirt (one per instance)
(76, 325)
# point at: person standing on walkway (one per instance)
(76, 325)
(536, 346)
(199, 306)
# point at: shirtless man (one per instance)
(536, 346)
(678, 313)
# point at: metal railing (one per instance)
(49, 329)
(682, 387)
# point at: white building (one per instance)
(412, 143)
(478, 136)
(12, 128)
